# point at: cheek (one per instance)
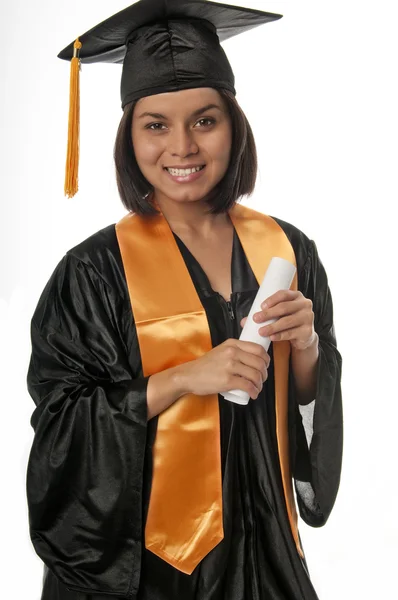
(146, 150)
(220, 146)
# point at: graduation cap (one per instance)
(165, 46)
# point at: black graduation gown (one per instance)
(89, 470)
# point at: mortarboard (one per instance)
(164, 46)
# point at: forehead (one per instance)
(181, 102)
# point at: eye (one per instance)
(209, 120)
(151, 125)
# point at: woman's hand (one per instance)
(295, 319)
(229, 366)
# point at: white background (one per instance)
(319, 88)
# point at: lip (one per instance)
(184, 166)
(185, 178)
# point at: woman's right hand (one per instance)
(231, 365)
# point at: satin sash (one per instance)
(184, 521)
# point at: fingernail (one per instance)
(264, 305)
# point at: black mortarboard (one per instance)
(164, 45)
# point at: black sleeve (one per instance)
(85, 469)
(318, 427)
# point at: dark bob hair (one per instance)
(239, 179)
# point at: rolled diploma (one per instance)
(279, 276)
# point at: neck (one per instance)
(191, 218)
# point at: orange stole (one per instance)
(184, 520)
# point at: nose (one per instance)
(182, 142)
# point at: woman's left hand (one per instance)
(295, 319)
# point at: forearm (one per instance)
(164, 389)
(304, 366)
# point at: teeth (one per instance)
(183, 172)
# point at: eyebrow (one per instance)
(197, 112)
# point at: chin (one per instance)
(185, 195)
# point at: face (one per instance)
(176, 131)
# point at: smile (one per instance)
(184, 172)
(185, 175)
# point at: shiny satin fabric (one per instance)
(168, 45)
(90, 466)
(257, 231)
(184, 521)
(185, 513)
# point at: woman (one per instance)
(135, 336)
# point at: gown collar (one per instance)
(242, 276)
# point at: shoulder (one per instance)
(301, 243)
(90, 270)
(90, 274)
(94, 248)
(100, 255)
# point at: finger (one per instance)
(251, 374)
(243, 321)
(240, 383)
(283, 324)
(289, 322)
(250, 347)
(281, 296)
(254, 362)
(296, 334)
(280, 310)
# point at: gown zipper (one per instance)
(228, 304)
(229, 314)
(230, 311)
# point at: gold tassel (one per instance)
(72, 157)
